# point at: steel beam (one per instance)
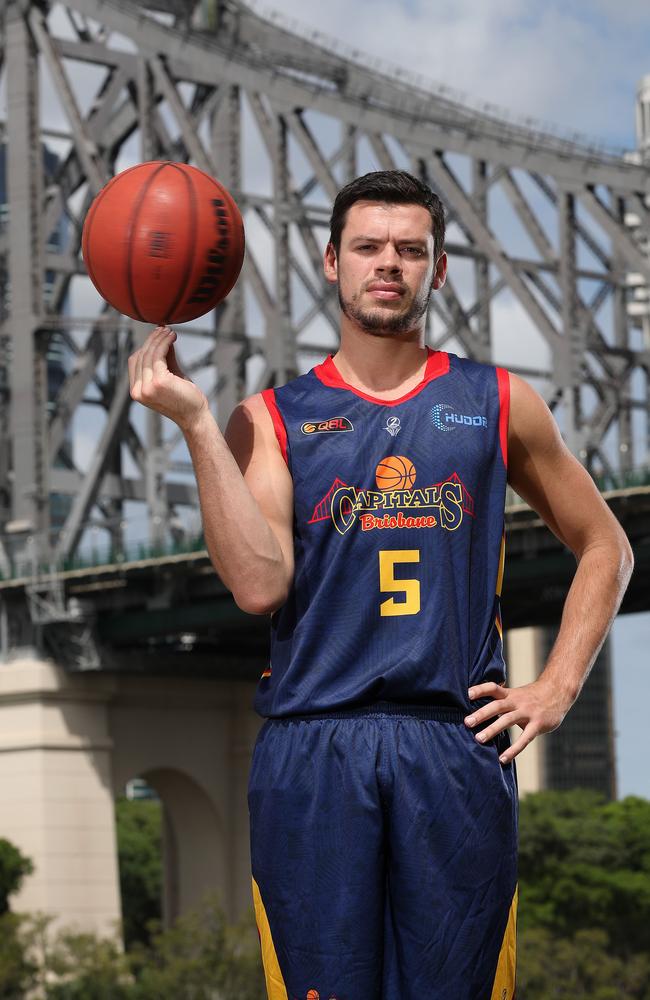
(27, 404)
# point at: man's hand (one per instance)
(157, 381)
(536, 708)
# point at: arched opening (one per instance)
(139, 822)
(193, 850)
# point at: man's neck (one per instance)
(381, 366)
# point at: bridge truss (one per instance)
(547, 236)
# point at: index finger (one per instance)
(154, 349)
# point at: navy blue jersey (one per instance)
(398, 538)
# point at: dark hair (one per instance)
(395, 187)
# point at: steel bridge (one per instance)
(548, 239)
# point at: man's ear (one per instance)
(330, 264)
(440, 271)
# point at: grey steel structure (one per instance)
(548, 236)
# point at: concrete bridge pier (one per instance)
(191, 739)
(56, 791)
(68, 745)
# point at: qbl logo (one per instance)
(327, 426)
(445, 419)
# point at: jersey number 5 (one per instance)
(410, 603)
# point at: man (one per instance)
(362, 506)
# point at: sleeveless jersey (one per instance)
(398, 537)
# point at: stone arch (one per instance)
(194, 843)
(191, 739)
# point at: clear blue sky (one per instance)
(575, 64)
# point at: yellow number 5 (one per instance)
(387, 583)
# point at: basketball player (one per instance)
(362, 507)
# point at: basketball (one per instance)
(163, 242)
(313, 995)
(395, 473)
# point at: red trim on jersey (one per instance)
(437, 364)
(268, 395)
(503, 380)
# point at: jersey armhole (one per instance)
(268, 395)
(503, 382)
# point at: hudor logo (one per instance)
(446, 419)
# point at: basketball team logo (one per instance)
(396, 472)
(396, 502)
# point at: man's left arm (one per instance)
(545, 474)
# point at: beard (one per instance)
(383, 322)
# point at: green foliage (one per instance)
(84, 967)
(13, 868)
(139, 846)
(17, 970)
(584, 864)
(201, 958)
(584, 919)
(578, 968)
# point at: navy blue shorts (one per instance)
(384, 857)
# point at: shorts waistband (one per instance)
(433, 713)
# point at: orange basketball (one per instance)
(313, 995)
(395, 472)
(163, 242)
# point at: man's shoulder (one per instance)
(298, 383)
(473, 364)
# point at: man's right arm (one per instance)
(246, 495)
(245, 488)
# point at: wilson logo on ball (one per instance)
(217, 258)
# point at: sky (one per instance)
(575, 65)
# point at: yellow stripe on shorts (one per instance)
(504, 981)
(502, 564)
(275, 986)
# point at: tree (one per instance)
(17, 969)
(139, 846)
(14, 866)
(201, 958)
(578, 968)
(84, 967)
(584, 864)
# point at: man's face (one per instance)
(385, 268)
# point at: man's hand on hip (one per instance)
(536, 708)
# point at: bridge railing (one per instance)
(606, 483)
(518, 124)
(135, 552)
